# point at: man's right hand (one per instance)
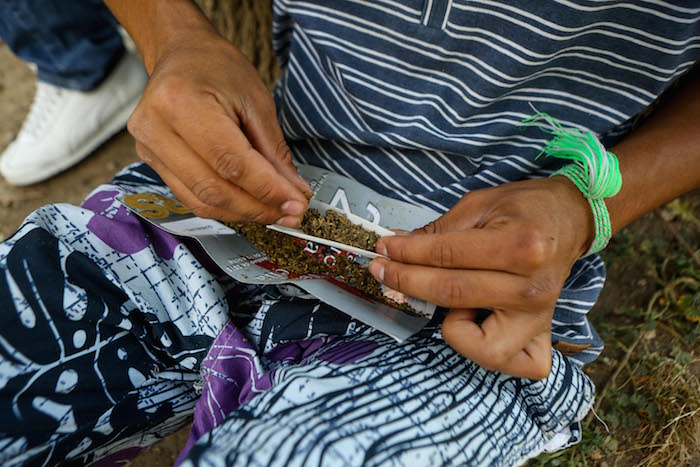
(207, 124)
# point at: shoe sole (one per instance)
(113, 126)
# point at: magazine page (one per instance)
(244, 262)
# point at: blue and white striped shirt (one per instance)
(423, 100)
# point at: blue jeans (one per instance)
(73, 43)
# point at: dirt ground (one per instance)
(647, 377)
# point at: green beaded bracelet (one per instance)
(594, 170)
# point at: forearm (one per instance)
(155, 23)
(661, 159)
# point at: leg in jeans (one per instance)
(73, 43)
(87, 85)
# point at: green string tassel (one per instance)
(601, 171)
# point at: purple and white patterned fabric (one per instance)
(115, 334)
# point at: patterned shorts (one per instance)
(114, 334)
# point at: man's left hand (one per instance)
(508, 248)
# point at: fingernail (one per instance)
(293, 208)
(381, 248)
(377, 270)
(288, 221)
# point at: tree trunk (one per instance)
(248, 24)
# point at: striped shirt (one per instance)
(422, 100)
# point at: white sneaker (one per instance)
(64, 126)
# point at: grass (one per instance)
(648, 376)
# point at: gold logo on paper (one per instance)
(155, 206)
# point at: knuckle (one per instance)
(540, 291)
(452, 292)
(265, 192)
(257, 104)
(283, 153)
(251, 213)
(495, 358)
(435, 226)
(133, 125)
(210, 192)
(246, 104)
(227, 164)
(542, 369)
(260, 217)
(396, 249)
(531, 248)
(138, 125)
(443, 253)
(428, 228)
(167, 95)
(394, 276)
(450, 332)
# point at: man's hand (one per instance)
(508, 248)
(206, 122)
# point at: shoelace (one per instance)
(42, 111)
